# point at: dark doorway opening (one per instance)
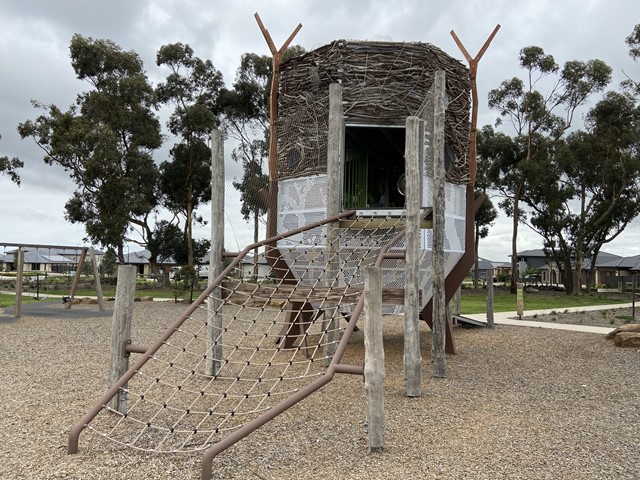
(374, 168)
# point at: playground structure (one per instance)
(244, 352)
(48, 255)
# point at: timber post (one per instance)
(76, 278)
(457, 301)
(96, 277)
(490, 301)
(17, 312)
(374, 359)
(438, 360)
(412, 355)
(121, 333)
(520, 299)
(214, 317)
(334, 154)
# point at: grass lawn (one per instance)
(503, 301)
(9, 299)
(472, 301)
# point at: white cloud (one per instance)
(35, 64)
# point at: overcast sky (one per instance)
(34, 57)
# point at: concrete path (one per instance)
(511, 318)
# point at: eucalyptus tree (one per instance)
(10, 166)
(104, 141)
(633, 41)
(246, 119)
(538, 120)
(486, 215)
(192, 87)
(589, 189)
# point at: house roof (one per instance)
(484, 264)
(47, 255)
(536, 252)
(624, 263)
(603, 260)
(249, 259)
(142, 257)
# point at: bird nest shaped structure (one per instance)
(383, 83)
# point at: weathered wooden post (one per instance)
(520, 299)
(17, 311)
(334, 153)
(412, 355)
(438, 359)
(121, 332)
(214, 316)
(490, 301)
(374, 358)
(457, 301)
(76, 278)
(96, 277)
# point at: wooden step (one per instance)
(304, 293)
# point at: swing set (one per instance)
(54, 259)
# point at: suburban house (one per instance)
(250, 264)
(537, 260)
(615, 271)
(610, 270)
(140, 260)
(491, 268)
(485, 269)
(46, 260)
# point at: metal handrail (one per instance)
(129, 374)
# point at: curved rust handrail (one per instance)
(113, 391)
(334, 367)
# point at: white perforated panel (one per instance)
(303, 200)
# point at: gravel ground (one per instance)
(612, 318)
(517, 403)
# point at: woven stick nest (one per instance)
(383, 83)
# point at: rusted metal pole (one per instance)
(272, 211)
(77, 429)
(133, 348)
(473, 72)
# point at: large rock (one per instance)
(627, 339)
(629, 327)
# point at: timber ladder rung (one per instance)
(304, 293)
(386, 222)
(381, 223)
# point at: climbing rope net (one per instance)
(279, 331)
